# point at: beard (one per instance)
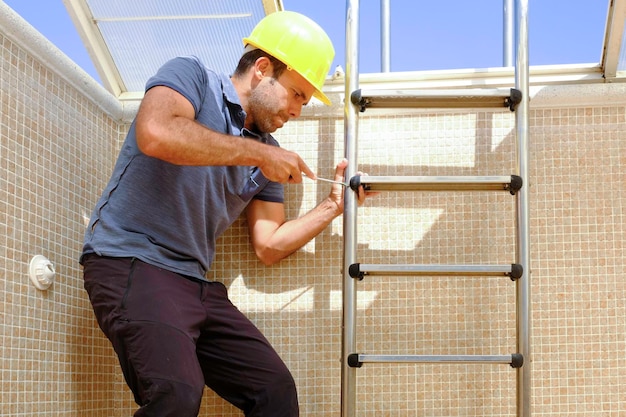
(263, 107)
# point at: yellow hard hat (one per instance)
(297, 41)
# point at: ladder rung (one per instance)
(511, 183)
(513, 271)
(457, 98)
(355, 360)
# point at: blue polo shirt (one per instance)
(171, 215)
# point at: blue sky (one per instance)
(425, 34)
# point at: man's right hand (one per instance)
(283, 166)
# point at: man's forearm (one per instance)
(294, 234)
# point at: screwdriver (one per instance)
(327, 180)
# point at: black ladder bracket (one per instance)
(516, 184)
(517, 360)
(355, 183)
(514, 99)
(355, 271)
(517, 270)
(353, 361)
(358, 100)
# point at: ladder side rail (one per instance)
(385, 38)
(508, 29)
(349, 303)
(522, 212)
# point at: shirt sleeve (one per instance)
(185, 75)
(273, 192)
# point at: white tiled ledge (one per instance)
(14, 27)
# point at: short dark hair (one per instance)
(248, 59)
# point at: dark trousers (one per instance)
(174, 334)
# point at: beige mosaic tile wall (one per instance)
(56, 152)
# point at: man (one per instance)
(197, 155)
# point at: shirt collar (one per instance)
(232, 99)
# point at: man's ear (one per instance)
(263, 67)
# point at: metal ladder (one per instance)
(516, 99)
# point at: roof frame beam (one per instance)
(613, 38)
(96, 46)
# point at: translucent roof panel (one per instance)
(130, 40)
